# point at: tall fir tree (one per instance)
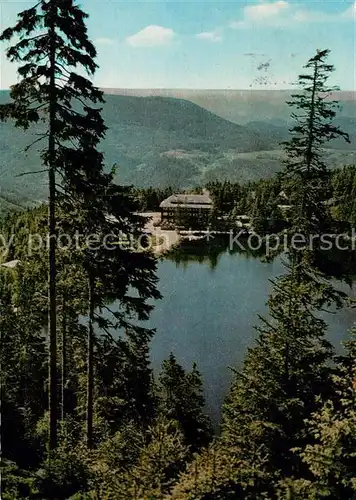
(53, 44)
(331, 456)
(181, 399)
(22, 365)
(264, 416)
(313, 111)
(117, 268)
(287, 370)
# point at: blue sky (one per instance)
(208, 44)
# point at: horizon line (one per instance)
(228, 89)
(193, 89)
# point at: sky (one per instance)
(207, 44)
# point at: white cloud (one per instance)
(268, 13)
(314, 16)
(266, 10)
(151, 36)
(283, 13)
(210, 36)
(350, 13)
(104, 41)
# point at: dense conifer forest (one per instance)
(83, 415)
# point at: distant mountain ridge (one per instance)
(166, 140)
(241, 106)
(180, 117)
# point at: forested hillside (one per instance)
(163, 141)
(83, 416)
(242, 106)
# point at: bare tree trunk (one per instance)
(64, 361)
(311, 121)
(90, 362)
(53, 383)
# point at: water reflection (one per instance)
(339, 264)
(212, 296)
(209, 252)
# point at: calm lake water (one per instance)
(211, 301)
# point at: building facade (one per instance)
(186, 210)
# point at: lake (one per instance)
(211, 300)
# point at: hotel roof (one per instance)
(187, 201)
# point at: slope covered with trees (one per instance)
(158, 141)
(83, 417)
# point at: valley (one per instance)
(177, 138)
